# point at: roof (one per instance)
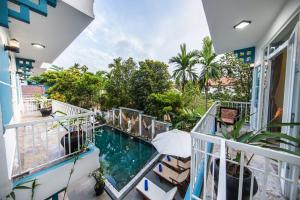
(31, 90)
(223, 81)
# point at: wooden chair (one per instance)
(228, 116)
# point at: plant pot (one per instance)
(46, 111)
(74, 141)
(232, 182)
(99, 188)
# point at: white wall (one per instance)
(282, 19)
(85, 6)
(286, 14)
(56, 179)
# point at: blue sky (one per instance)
(142, 29)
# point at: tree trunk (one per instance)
(206, 96)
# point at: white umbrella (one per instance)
(173, 143)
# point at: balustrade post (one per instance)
(140, 124)
(120, 117)
(113, 116)
(152, 129)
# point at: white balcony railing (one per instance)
(136, 123)
(273, 174)
(46, 141)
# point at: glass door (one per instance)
(291, 104)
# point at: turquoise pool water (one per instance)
(123, 156)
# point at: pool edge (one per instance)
(117, 195)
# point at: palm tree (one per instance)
(185, 62)
(210, 67)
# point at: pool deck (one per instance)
(85, 189)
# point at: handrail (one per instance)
(56, 138)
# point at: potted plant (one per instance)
(261, 138)
(77, 133)
(99, 119)
(98, 175)
(44, 105)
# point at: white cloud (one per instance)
(110, 36)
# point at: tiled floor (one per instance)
(84, 190)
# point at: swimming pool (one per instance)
(124, 156)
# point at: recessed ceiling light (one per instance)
(38, 45)
(242, 24)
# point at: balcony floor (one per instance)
(35, 146)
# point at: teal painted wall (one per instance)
(5, 90)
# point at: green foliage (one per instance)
(184, 63)
(23, 186)
(241, 76)
(263, 138)
(117, 86)
(159, 104)
(186, 119)
(210, 67)
(98, 174)
(75, 85)
(151, 77)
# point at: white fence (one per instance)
(46, 141)
(262, 173)
(136, 123)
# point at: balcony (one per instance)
(276, 173)
(36, 142)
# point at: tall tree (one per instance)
(184, 63)
(151, 77)
(117, 86)
(210, 67)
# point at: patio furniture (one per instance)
(154, 192)
(170, 175)
(176, 163)
(228, 116)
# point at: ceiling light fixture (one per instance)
(38, 45)
(242, 24)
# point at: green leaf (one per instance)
(284, 124)
(272, 135)
(282, 149)
(245, 137)
(237, 128)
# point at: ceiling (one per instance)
(222, 15)
(56, 31)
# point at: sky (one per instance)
(141, 29)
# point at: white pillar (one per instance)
(120, 117)
(5, 183)
(113, 116)
(140, 124)
(152, 128)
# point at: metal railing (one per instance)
(136, 123)
(47, 141)
(262, 173)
